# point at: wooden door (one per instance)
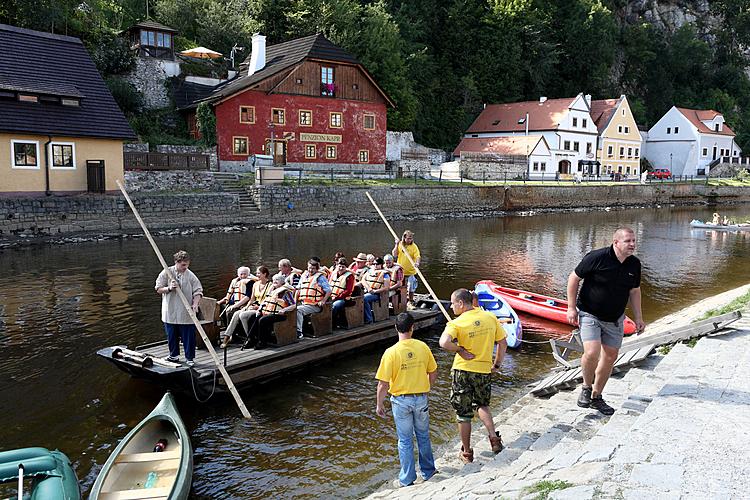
(278, 152)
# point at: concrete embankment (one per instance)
(57, 216)
(680, 431)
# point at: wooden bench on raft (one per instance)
(208, 316)
(634, 350)
(399, 299)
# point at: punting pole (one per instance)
(20, 481)
(188, 306)
(402, 249)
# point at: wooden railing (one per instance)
(165, 161)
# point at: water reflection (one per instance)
(314, 434)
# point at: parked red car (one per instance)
(660, 173)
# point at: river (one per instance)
(314, 434)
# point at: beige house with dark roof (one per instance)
(619, 145)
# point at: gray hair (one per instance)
(285, 263)
(388, 257)
(278, 279)
(243, 269)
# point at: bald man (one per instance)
(611, 278)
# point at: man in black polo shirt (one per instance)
(611, 276)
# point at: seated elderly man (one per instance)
(342, 285)
(376, 282)
(238, 293)
(359, 266)
(291, 274)
(278, 302)
(312, 293)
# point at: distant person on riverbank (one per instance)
(472, 335)
(407, 370)
(409, 247)
(177, 321)
(611, 277)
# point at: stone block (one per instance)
(657, 476)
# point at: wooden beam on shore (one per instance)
(188, 306)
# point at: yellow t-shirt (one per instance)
(403, 261)
(405, 366)
(477, 331)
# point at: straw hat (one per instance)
(361, 257)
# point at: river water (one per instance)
(314, 434)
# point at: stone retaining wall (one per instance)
(179, 181)
(492, 170)
(213, 159)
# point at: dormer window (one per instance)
(717, 127)
(70, 102)
(28, 98)
(327, 87)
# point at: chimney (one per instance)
(258, 56)
(587, 97)
(542, 100)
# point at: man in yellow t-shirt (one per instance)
(407, 370)
(408, 245)
(472, 336)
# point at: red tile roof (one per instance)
(602, 111)
(696, 115)
(505, 117)
(512, 145)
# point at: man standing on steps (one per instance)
(611, 277)
(472, 336)
(407, 370)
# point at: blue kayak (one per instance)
(494, 303)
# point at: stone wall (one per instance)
(135, 147)
(52, 216)
(213, 159)
(148, 77)
(179, 181)
(491, 170)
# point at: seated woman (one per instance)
(376, 282)
(278, 302)
(238, 293)
(342, 285)
(259, 291)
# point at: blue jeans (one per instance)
(411, 413)
(369, 299)
(175, 333)
(337, 309)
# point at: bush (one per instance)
(126, 95)
(206, 123)
(111, 54)
(161, 126)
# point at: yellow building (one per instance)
(619, 144)
(61, 131)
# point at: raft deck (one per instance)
(249, 367)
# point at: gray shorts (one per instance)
(607, 332)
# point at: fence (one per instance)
(165, 161)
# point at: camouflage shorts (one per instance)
(469, 390)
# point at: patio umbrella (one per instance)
(201, 53)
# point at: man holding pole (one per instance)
(472, 335)
(177, 322)
(407, 370)
(611, 277)
(406, 243)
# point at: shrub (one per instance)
(206, 123)
(111, 54)
(126, 95)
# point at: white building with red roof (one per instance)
(690, 141)
(569, 133)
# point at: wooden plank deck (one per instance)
(251, 366)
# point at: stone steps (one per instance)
(230, 183)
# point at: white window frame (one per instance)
(13, 143)
(52, 157)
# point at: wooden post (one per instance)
(402, 249)
(188, 306)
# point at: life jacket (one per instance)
(326, 272)
(358, 272)
(235, 289)
(310, 291)
(338, 284)
(292, 279)
(274, 301)
(375, 278)
(394, 270)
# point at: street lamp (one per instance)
(670, 163)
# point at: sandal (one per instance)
(496, 442)
(226, 341)
(466, 456)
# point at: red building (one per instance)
(307, 102)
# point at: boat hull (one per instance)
(497, 305)
(165, 415)
(54, 477)
(696, 224)
(543, 306)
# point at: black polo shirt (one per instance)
(607, 283)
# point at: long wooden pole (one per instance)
(402, 249)
(188, 306)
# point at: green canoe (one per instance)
(52, 476)
(135, 470)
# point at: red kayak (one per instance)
(542, 305)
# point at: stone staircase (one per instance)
(635, 453)
(230, 183)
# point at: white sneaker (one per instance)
(190, 362)
(172, 359)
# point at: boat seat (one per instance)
(322, 322)
(286, 331)
(354, 311)
(380, 308)
(208, 316)
(151, 493)
(150, 456)
(399, 299)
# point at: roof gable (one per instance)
(61, 68)
(697, 116)
(602, 111)
(511, 117)
(523, 145)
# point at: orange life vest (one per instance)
(310, 291)
(326, 272)
(375, 278)
(338, 285)
(236, 288)
(274, 301)
(394, 270)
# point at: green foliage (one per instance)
(111, 54)
(542, 489)
(739, 303)
(126, 95)
(161, 126)
(206, 123)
